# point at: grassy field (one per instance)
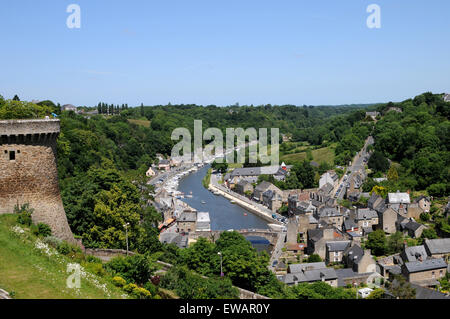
(29, 272)
(325, 154)
(145, 123)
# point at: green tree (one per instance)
(376, 242)
(401, 289)
(378, 162)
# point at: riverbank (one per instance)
(251, 208)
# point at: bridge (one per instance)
(270, 235)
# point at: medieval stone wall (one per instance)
(28, 172)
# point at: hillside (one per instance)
(31, 269)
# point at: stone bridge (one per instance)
(270, 235)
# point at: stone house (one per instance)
(424, 203)
(309, 273)
(335, 250)
(361, 261)
(414, 253)
(438, 248)
(272, 199)
(387, 221)
(330, 215)
(412, 228)
(243, 186)
(263, 187)
(187, 222)
(164, 164)
(317, 239)
(366, 217)
(425, 273)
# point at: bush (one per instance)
(24, 213)
(93, 259)
(141, 293)
(425, 217)
(151, 287)
(135, 268)
(95, 268)
(42, 230)
(129, 288)
(119, 281)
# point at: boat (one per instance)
(233, 202)
(245, 214)
(203, 202)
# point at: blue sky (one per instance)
(223, 52)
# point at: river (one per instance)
(223, 214)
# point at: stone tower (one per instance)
(28, 172)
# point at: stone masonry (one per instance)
(28, 172)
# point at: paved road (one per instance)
(277, 250)
(357, 164)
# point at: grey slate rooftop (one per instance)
(366, 213)
(337, 245)
(414, 253)
(438, 246)
(429, 264)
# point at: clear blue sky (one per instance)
(222, 52)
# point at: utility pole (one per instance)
(126, 234)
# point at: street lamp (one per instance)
(221, 272)
(126, 234)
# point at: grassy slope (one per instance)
(325, 154)
(31, 274)
(140, 122)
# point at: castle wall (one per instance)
(28, 172)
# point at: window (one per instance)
(12, 155)
(433, 275)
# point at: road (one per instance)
(357, 164)
(277, 250)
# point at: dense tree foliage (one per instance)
(418, 139)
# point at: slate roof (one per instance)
(326, 189)
(329, 212)
(438, 246)
(429, 264)
(174, 238)
(164, 162)
(349, 223)
(294, 268)
(263, 186)
(310, 276)
(412, 225)
(366, 213)
(413, 253)
(255, 171)
(243, 182)
(337, 245)
(354, 251)
(188, 217)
